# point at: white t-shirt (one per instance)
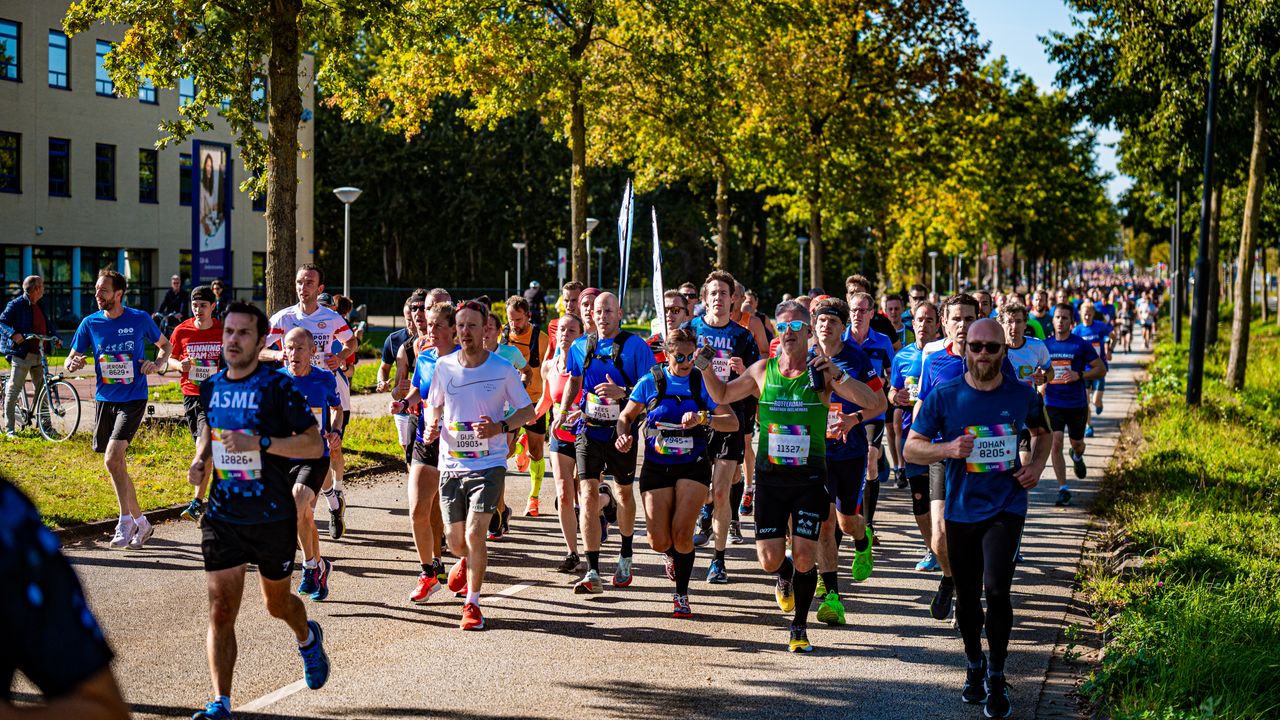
(931, 348)
(326, 326)
(1033, 354)
(467, 394)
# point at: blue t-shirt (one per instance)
(253, 487)
(879, 350)
(636, 360)
(1074, 353)
(391, 346)
(1096, 335)
(424, 368)
(320, 388)
(667, 446)
(1106, 310)
(942, 366)
(855, 362)
(729, 341)
(982, 485)
(904, 373)
(118, 348)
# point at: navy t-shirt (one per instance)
(391, 346)
(668, 445)
(982, 485)
(320, 388)
(1074, 353)
(601, 413)
(855, 362)
(253, 487)
(117, 348)
(49, 632)
(729, 341)
(878, 349)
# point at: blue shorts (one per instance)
(1098, 385)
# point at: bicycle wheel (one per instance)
(58, 411)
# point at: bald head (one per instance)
(33, 286)
(986, 330)
(299, 347)
(606, 314)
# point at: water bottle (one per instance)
(816, 380)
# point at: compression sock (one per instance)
(626, 546)
(839, 537)
(684, 568)
(786, 571)
(870, 496)
(832, 581)
(735, 498)
(805, 585)
(537, 469)
(720, 556)
(593, 560)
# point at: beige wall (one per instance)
(39, 112)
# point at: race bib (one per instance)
(318, 412)
(665, 444)
(1097, 347)
(1060, 370)
(235, 466)
(788, 444)
(720, 366)
(467, 442)
(319, 360)
(833, 421)
(913, 388)
(116, 369)
(202, 370)
(602, 409)
(995, 447)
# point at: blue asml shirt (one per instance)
(320, 388)
(669, 446)
(118, 348)
(601, 413)
(253, 487)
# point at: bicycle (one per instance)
(57, 406)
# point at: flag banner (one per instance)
(626, 218)
(658, 310)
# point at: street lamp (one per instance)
(591, 225)
(519, 246)
(599, 268)
(347, 195)
(801, 240)
(933, 271)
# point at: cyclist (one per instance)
(23, 317)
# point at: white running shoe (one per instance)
(125, 530)
(142, 534)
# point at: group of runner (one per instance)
(797, 420)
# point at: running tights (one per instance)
(982, 559)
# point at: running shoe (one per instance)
(785, 594)
(975, 689)
(1064, 497)
(522, 453)
(928, 563)
(1018, 558)
(506, 520)
(900, 478)
(748, 502)
(669, 567)
(622, 574)
(940, 607)
(569, 564)
(799, 640)
(531, 508)
(213, 710)
(831, 611)
(458, 576)
(337, 518)
(1088, 431)
(124, 533)
(609, 508)
(428, 585)
(315, 663)
(1078, 465)
(997, 697)
(308, 584)
(703, 535)
(322, 580)
(193, 511)
(864, 560)
(589, 584)
(1097, 409)
(472, 619)
(143, 532)
(821, 590)
(495, 526)
(735, 533)
(680, 606)
(716, 573)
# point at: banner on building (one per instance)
(211, 213)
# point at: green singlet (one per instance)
(791, 424)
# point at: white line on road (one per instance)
(273, 697)
(518, 587)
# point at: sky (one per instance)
(1013, 27)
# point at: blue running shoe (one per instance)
(213, 710)
(1064, 497)
(322, 580)
(716, 573)
(703, 534)
(315, 663)
(928, 563)
(308, 584)
(1088, 431)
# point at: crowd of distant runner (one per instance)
(797, 420)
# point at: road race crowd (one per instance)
(796, 420)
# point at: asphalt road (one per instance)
(548, 653)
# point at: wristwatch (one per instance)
(264, 442)
(505, 427)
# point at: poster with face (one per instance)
(211, 216)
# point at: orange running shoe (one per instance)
(471, 617)
(531, 508)
(458, 576)
(428, 585)
(522, 453)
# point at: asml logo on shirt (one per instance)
(234, 399)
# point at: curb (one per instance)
(84, 531)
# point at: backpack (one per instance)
(535, 357)
(695, 389)
(615, 354)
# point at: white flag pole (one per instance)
(658, 305)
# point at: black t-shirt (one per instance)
(49, 633)
(884, 325)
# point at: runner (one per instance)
(525, 336)
(566, 304)
(326, 327)
(985, 307)
(791, 463)
(586, 306)
(1041, 313)
(879, 349)
(735, 350)
(1066, 397)
(390, 372)
(320, 389)
(676, 472)
(257, 421)
(675, 313)
(846, 456)
(1124, 323)
(602, 370)
(891, 307)
(855, 284)
(117, 338)
(197, 355)
(500, 523)
(978, 418)
(1096, 332)
(563, 453)
(465, 404)
(904, 383)
(1029, 357)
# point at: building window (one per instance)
(184, 268)
(147, 92)
(59, 63)
(184, 179)
(105, 160)
(186, 90)
(259, 200)
(258, 95)
(138, 271)
(11, 270)
(10, 51)
(59, 167)
(10, 162)
(259, 276)
(148, 163)
(102, 80)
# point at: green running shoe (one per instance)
(863, 561)
(821, 590)
(831, 611)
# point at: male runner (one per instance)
(675, 313)
(855, 284)
(117, 337)
(1097, 332)
(327, 327)
(879, 349)
(197, 354)
(1066, 397)
(567, 303)
(891, 307)
(465, 407)
(258, 421)
(526, 337)
(390, 372)
(500, 522)
(1029, 357)
(977, 419)
(985, 309)
(904, 384)
(735, 350)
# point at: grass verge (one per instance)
(1194, 630)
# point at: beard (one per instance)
(985, 372)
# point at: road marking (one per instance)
(273, 697)
(518, 587)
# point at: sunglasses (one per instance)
(990, 348)
(417, 308)
(684, 357)
(674, 310)
(473, 305)
(793, 326)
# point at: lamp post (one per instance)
(933, 271)
(800, 282)
(1200, 309)
(347, 195)
(599, 268)
(519, 246)
(591, 225)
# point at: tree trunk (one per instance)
(1238, 363)
(722, 217)
(283, 114)
(578, 184)
(1215, 266)
(815, 241)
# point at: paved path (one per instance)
(549, 653)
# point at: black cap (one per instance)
(325, 299)
(203, 292)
